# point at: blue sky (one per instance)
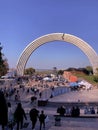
(22, 21)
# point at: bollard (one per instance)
(57, 121)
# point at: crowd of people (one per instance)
(73, 112)
(8, 118)
(9, 115)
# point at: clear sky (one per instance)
(22, 21)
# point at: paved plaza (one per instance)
(70, 123)
(74, 96)
(67, 123)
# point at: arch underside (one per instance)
(86, 48)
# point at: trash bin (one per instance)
(57, 120)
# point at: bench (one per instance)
(81, 116)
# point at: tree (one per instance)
(96, 71)
(60, 72)
(89, 69)
(4, 67)
(96, 76)
(55, 70)
(29, 71)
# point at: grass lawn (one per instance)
(89, 78)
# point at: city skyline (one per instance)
(23, 22)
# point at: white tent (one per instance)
(85, 83)
(47, 79)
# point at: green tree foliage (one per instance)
(3, 63)
(55, 70)
(89, 69)
(96, 76)
(97, 71)
(29, 71)
(60, 72)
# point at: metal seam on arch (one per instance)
(85, 47)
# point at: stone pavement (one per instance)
(77, 124)
(71, 128)
(67, 123)
(71, 124)
(74, 96)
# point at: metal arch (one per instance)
(85, 47)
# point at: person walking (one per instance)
(33, 116)
(3, 111)
(42, 118)
(19, 115)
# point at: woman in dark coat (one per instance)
(3, 111)
(19, 116)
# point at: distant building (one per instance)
(69, 76)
